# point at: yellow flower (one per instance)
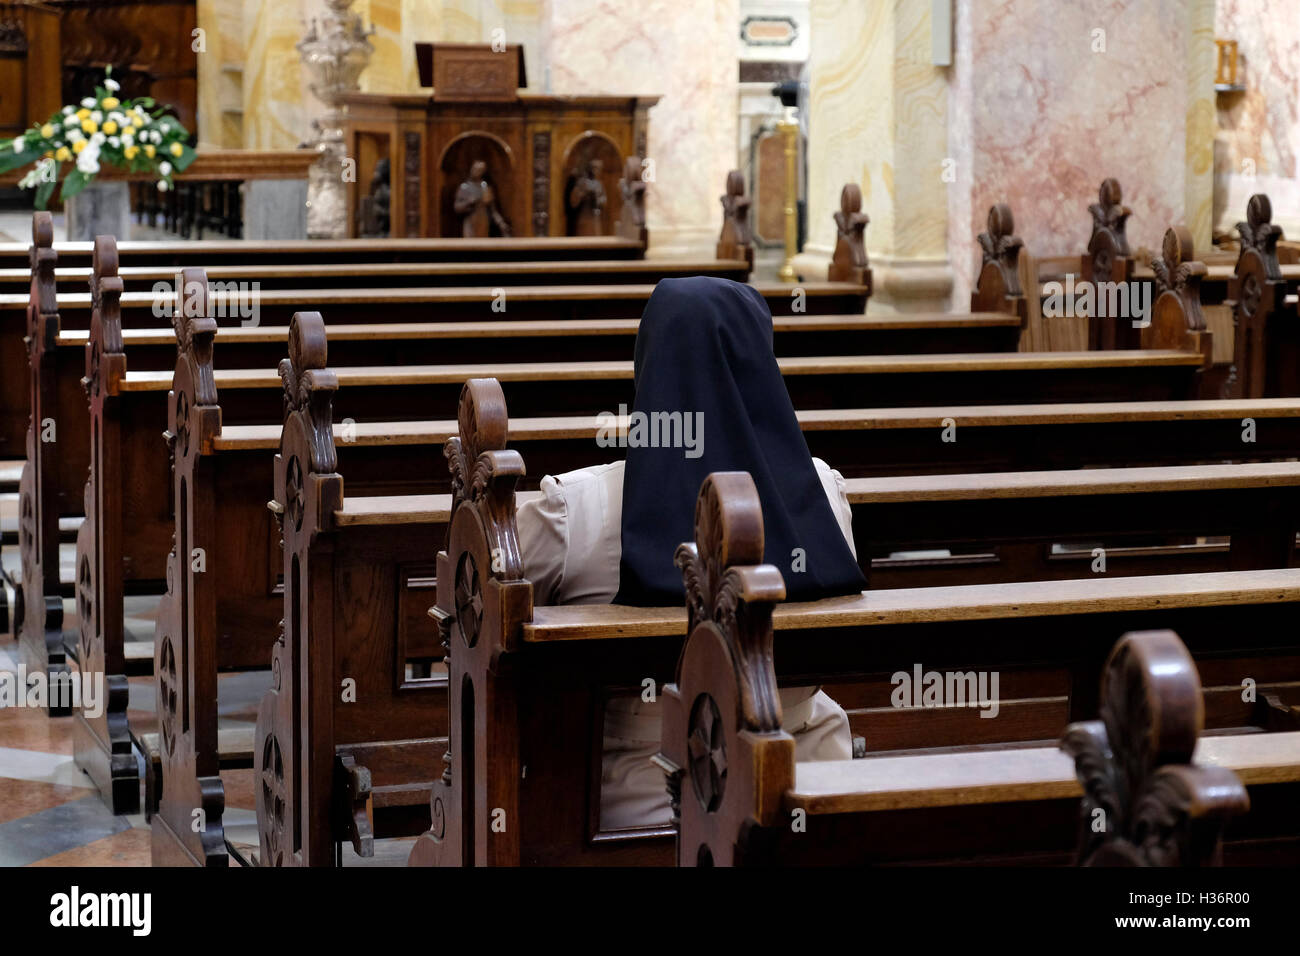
(149, 151)
(79, 145)
(130, 152)
(110, 128)
(83, 113)
(128, 130)
(49, 154)
(89, 126)
(63, 155)
(110, 102)
(177, 149)
(47, 130)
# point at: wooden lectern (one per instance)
(534, 146)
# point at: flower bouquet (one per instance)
(136, 135)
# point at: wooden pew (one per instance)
(524, 681)
(813, 381)
(1267, 343)
(212, 252)
(225, 471)
(358, 783)
(740, 799)
(401, 274)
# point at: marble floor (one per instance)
(50, 813)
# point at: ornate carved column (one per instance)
(334, 52)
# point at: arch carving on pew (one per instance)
(849, 258)
(483, 597)
(185, 643)
(38, 614)
(1259, 294)
(736, 240)
(1145, 803)
(1108, 244)
(998, 288)
(1177, 321)
(101, 742)
(308, 490)
(714, 730)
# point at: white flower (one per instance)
(117, 117)
(19, 144)
(68, 111)
(156, 136)
(111, 85)
(114, 142)
(71, 120)
(97, 115)
(97, 138)
(75, 136)
(164, 127)
(88, 102)
(165, 168)
(162, 185)
(128, 140)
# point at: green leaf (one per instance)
(11, 160)
(75, 183)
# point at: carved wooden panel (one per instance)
(541, 182)
(411, 174)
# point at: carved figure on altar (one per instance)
(587, 200)
(476, 204)
(375, 206)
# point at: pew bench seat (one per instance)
(1006, 774)
(155, 381)
(935, 605)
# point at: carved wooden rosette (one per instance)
(1176, 318)
(185, 637)
(849, 260)
(308, 490)
(631, 218)
(102, 744)
(736, 241)
(998, 288)
(483, 601)
(38, 616)
(728, 760)
(1264, 319)
(1145, 803)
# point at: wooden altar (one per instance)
(532, 145)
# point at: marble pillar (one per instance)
(1258, 138)
(879, 118)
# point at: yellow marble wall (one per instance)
(879, 118)
(220, 69)
(277, 104)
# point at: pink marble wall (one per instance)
(1260, 128)
(684, 50)
(1037, 119)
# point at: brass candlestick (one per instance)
(789, 130)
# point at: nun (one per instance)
(606, 534)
